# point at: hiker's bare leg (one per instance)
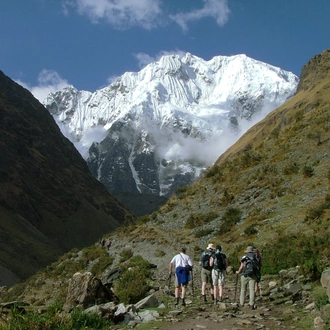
(176, 292)
(215, 290)
(203, 288)
(183, 293)
(220, 290)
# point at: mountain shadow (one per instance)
(49, 201)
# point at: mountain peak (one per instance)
(186, 110)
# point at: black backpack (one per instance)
(206, 255)
(219, 261)
(252, 266)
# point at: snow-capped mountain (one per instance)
(153, 131)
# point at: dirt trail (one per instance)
(228, 315)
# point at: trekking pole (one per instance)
(169, 288)
(236, 282)
(192, 283)
(259, 287)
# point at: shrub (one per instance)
(125, 255)
(231, 217)
(54, 319)
(133, 284)
(291, 168)
(251, 230)
(199, 219)
(311, 253)
(203, 232)
(308, 171)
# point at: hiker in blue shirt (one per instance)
(179, 263)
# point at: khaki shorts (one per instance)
(218, 277)
(206, 275)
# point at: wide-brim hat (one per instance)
(249, 249)
(210, 247)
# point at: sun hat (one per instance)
(249, 249)
(210, 247)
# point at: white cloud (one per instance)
(144, 59)
(218, 9)
(48, 81)
(121, 14)
(148, 14)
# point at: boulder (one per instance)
(86, 290)
(150, 301)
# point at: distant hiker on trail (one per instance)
(250, 270)
(206, 270)
(219, 262)
(178, 263)
(102, 242)
(256, 251)
(108, 243)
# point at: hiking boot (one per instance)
(215, 301)
(204, 297)
(253, 307)
(220, 299)
(177, 301)
(183, 302)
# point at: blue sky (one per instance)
(46, 44)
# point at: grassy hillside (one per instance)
(271, 188)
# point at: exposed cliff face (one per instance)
(49, 201)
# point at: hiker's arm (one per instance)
(240, 268)
(211, 261)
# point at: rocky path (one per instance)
(274, 311)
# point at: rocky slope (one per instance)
(49, 201)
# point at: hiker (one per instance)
(179, 263)
(102, 242)
(219, 262)
(108, 243)
(249, 268)
(206, 270)
(256, 251)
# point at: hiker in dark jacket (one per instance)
(178, 263)
(219, 262)
(247, 280)
(206, 272)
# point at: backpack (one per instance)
(252, 266)
(219, 261)
(206, 259)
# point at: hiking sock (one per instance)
(220, 298)
(177, 301)
(215, 301)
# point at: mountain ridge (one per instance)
(49, 201)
